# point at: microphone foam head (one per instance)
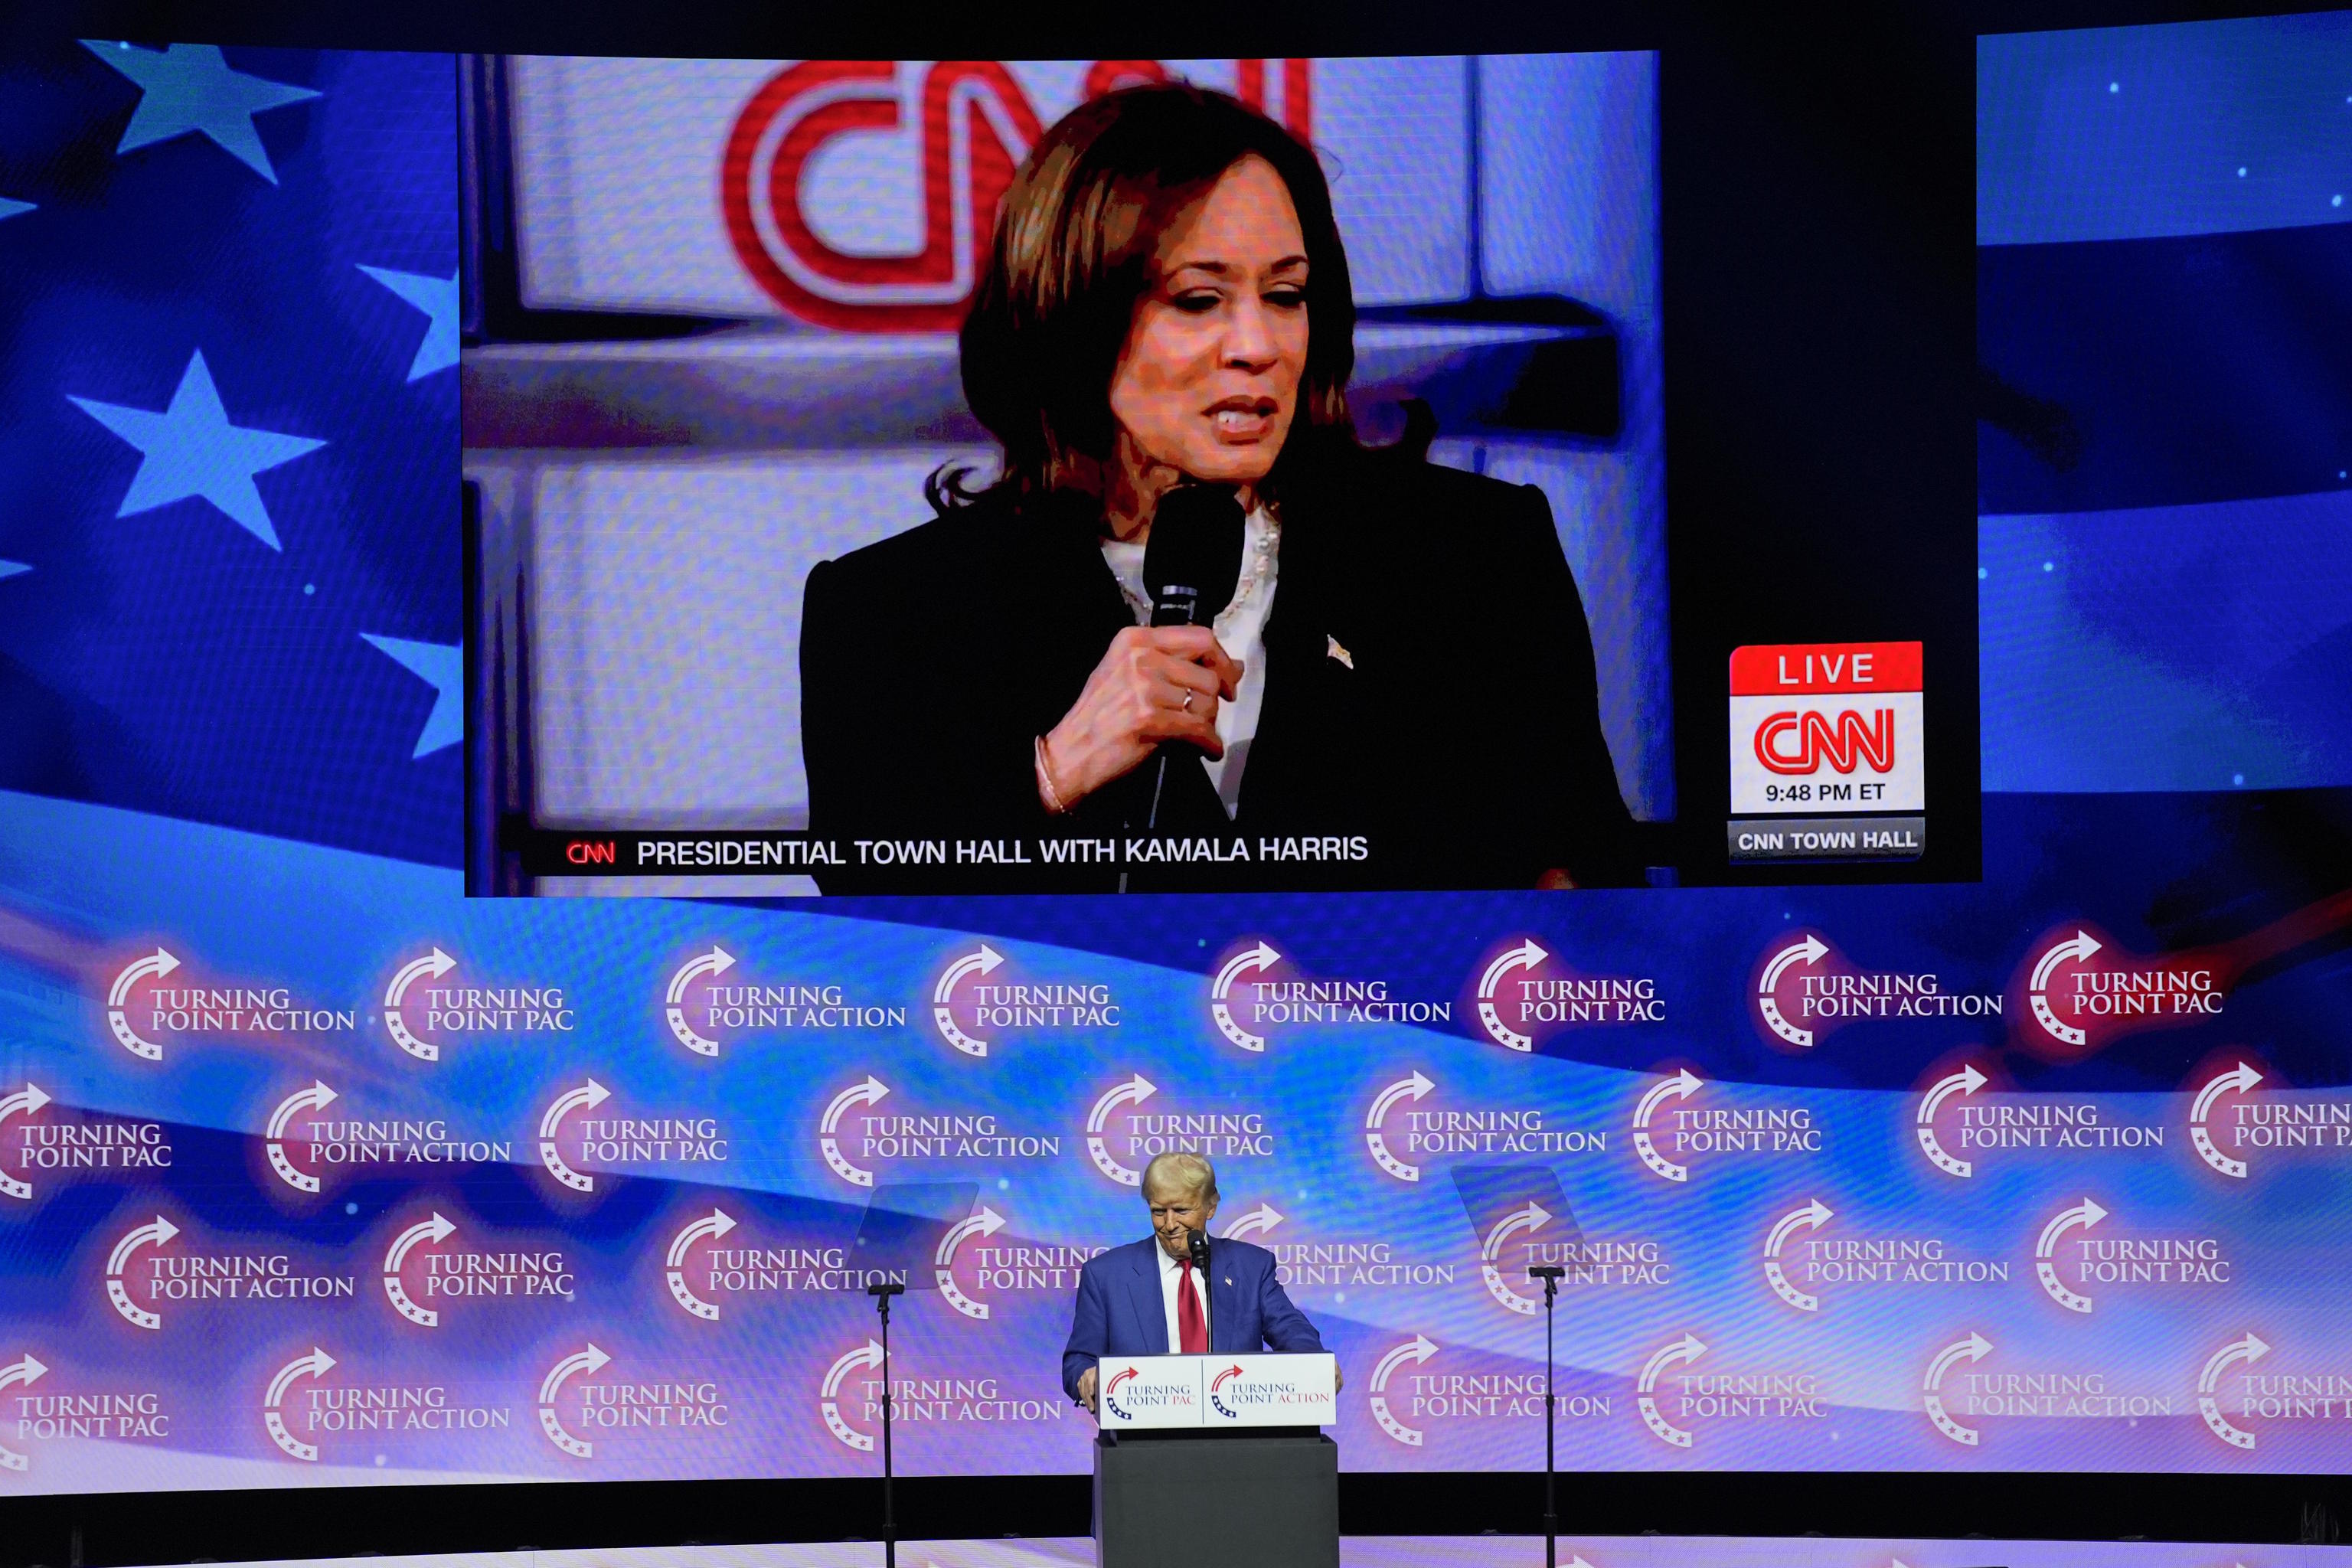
(1193, 559)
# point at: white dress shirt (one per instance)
(1171, 1276)
(1241, 632)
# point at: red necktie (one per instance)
(1191, 1333)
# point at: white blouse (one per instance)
(1241, 632)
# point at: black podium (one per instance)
(1274, 1491)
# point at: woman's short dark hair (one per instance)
(1074, 240)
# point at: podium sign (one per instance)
(1157, 1392)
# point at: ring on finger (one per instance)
(1188, 700)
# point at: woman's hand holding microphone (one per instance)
(1154, 685)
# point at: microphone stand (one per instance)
(1197, 1244)
(882, 1290)
(1550, 1274)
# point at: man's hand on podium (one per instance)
(1339, 1376)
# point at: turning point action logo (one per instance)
(1241, 1008)
(710, 1227)
(689, 1007)
(1805, 988)
(154, 1233)
(361, 1141)
(1975, 1348)
(316, 1364)
(1812, 1216)
(187, 1010)
(865, 1357)
(1479, 1131)
(154, 966)
(851, 1131)
(1417, 1349)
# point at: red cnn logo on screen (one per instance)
(1852, 741)
(976, 124)
(589, 852)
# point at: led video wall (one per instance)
(315, 1172)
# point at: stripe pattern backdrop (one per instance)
(2164, 273)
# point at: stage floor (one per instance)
(1436, 1552)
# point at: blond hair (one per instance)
(1179, 1174)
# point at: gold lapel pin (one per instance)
(1331, 648)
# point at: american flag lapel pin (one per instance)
(1331, 649)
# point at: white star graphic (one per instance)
(437, 298)
(443, 667)
(189, 87)
(10, 209)
(192, 449)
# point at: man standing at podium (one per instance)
(1148, 1299)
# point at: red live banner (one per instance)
(1823, 668)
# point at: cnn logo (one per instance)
(974, 123)
(1843, 746)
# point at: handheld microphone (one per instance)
(1192, 563)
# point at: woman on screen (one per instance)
(1399, 691)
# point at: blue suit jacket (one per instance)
(1120, 1311)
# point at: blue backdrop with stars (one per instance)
(229, 536)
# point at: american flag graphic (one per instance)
(230, 515)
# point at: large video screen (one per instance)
(781, 443)
(1480, 238)
(317, 1171)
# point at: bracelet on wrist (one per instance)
(1054, 804)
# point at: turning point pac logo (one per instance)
(22, 1373)
(587, 1362)
(1526, 994)
(587, 1097)
(433, 965)
(27, 1101)
(436, 1229)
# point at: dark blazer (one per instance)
(1463, 740)
(1120, 1311)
